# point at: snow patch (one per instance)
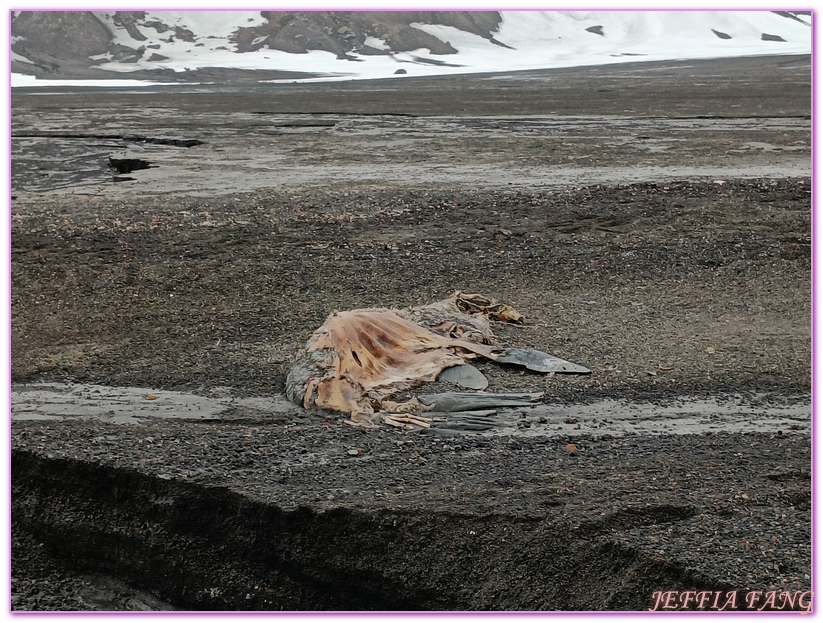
(23, 80)
(535, 40)
(374, 42)
(14, 56)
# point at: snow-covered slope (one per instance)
(363, 45)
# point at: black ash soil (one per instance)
(709, 282)
(680, 287)
(301, 515)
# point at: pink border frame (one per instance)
(5, 251)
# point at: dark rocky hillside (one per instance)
(72, 43)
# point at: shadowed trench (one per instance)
(206, 548)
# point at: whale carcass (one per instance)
(360, 358)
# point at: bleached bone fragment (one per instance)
(458, 401)
(465, 376)
(539, 361)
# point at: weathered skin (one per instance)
(358, 358)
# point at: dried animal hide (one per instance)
(359, 358)
(463, 315)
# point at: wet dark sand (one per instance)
(652, 222)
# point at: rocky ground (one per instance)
(687, 280)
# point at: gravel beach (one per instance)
(651, 221)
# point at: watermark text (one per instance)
(732, 600)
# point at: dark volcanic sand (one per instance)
(690, 285)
